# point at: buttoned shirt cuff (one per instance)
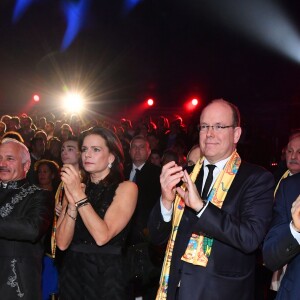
(166, 214)
(295, 233)
(202, 210)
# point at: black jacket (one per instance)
(147, 180)
(26, 213)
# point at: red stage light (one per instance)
(150, 102)
(194, 101)
(36, 98)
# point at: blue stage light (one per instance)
(75, 13)
(130, 4)
(20, 8)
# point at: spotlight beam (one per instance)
(262, 21)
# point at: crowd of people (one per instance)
(155, 210)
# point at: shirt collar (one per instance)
(13, 185)
(220, 164)
(134, 167)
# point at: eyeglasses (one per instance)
(217, 128)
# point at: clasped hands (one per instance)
(74, 189)
(170, 176)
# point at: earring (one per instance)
(109, 165)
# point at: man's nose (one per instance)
(210, 131)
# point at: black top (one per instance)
(100, 196)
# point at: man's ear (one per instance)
(26, 167)
(237, 134)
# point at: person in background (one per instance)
(293, 155)
(2, 128)
(41, 134)
(25, 216)
(155, 157)
(37, 152)
(47, 174)
(95, 220)
(49, 129)
(48, 178)
(42, 123)
(193, 155)
(6, 119)
(282, 243)
(53, 150)
(292, 158)
(169, 155)
(14, 124)
(146, 176)
(14, 135)
(65, 132)
(26, 130)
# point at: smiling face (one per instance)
(214, 145)
(12, 166)
(96, 156)
(293, 155)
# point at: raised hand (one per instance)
(170, 176)
(190, 194)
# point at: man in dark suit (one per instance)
(211, 251)
(282, 243)
(146, 176)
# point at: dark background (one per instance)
(168, 50)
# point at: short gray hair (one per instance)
(24, 150)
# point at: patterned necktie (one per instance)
(208, 181)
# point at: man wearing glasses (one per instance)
(216, 219)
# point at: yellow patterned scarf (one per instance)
(199, 246)
(285, 175)
(58, 198)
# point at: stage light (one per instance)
(264, 22)
(130, 5)
(20, 8)
(150, 102)
(73, 102)
(195, 102)
(36, 98)
(76, 14)
(192, 104)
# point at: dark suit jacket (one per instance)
(280, 247)
(148, 183)
(26, 212)
(238, 229)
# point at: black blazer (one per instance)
(280, 247)
(26, 212)
(147, 180)
(238, 229)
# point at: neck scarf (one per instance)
(199, 246)
(285, 175)
(58, 198)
